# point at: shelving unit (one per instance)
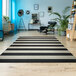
(71, 32)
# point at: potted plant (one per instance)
(6, 18)
(62, 19)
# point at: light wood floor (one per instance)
(37, 69)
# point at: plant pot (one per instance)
(63, 33)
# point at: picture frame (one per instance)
(36, 6)
(41, 14)
(27, 12)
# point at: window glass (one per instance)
(5, 5)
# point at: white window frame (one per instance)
(5, 6)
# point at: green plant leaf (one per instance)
(67, 17)
(66, 9)
(6, 18)
(57, 19)
(62, 19)
(56, 13)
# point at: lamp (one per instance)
(20, 14)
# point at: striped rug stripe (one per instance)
(37, 60)
(35, 54)
(37, 42)
(37, 57)
(36, 45)
(36, 49)
(38, 37)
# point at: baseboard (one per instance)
(28, 30)
(33, 30)
(22, 29)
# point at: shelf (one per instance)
(70, 23)
(71, 33)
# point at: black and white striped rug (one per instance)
(37, 49)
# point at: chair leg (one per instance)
(53, 31)
(46, 31)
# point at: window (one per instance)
(5, 5)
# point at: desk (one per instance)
(29, 24)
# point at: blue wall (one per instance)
(13, 12)
(1, 33)
(0, 14)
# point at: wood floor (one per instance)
(37, 69)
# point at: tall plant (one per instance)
(62, 19)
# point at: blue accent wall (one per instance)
(0, 14)
(13, 13)
(1, 33)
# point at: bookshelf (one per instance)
(71, 32)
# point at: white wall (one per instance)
(58, 6)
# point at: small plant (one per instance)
(6, 18)
(62, 19)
